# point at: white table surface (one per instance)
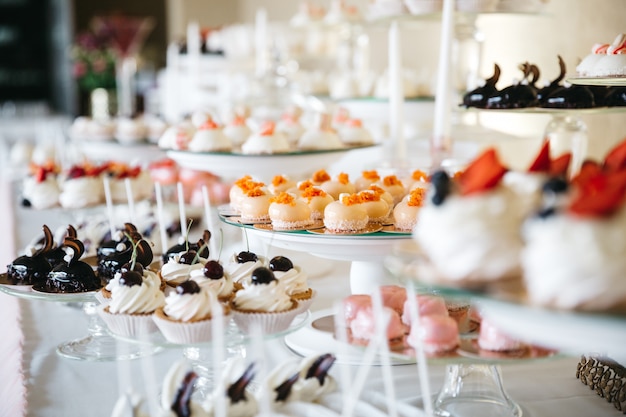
(62, 387)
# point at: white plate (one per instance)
(264, 167)
(601, 81)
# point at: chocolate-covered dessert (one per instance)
(112, 263)
(518, 95)
(570, 97)
(33, 267)
(555, 84)
(55, 255)
(107, 246)
(478, 97)
(72, 275)
(616, 97)
(203, 244)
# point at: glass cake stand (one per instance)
(98, 345)
(366, 251)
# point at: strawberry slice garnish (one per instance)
(40, 174)
(484, 173)
(560, 165)
(616, 158)
(267, 128)
(542, 161)
(588, 170)
(600, 195)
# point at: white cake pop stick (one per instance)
(217, 330)
(256, 341)
(341, 330)
(209, 220)
(131, 201)
(161, 216)
(381, 332)
(181, 211)
(109, 203)
(149, 377)
(422, 366)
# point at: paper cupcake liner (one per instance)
(128, 325)
(269, 322)
(305, 300)
(102, 298)
(185, 332)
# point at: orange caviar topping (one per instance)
(457, 175)
(243, 180)
(371, 175)
(321, 176)
(311, 192)
(367, 196)
(376, 189)
(343, 178)
(279, 180)
(305, 185)
(391, 180)
(284, 198)
(350, 200)
(255, 192)
(419, 175)
(416, 198)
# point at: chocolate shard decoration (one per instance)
(237, 391)
(71, 231)
(181, 405)
(320, 367)
(144, 253)
(76, 245)
(284, 390)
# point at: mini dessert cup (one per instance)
(304, 299)
(191, 332)
(268, 321)
(128, 325)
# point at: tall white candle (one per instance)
(131, 201)
(260, 36)
(441, 129)
(396, 92)
(181, 211)
(161, 216)
(109, 203)
(209, 222)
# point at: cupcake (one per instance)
(186, 316)
(241, 265)
(180, 267)
(213, 277)
(264, 303)
(294, 280)
(133, 302)
(104, 295)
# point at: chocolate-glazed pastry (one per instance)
(616, 97)
(109, 265)
(516, 96)
(478, 97)
(33, 267)
(203, 243)
(72, 275)
(571, 97)
(55, 255)
(107, 246)
(544, 92)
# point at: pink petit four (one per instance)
(438, 333)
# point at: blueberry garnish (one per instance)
(555, 185)
(188, 287)
(442, 185)
(546, 212)
(262, 275)
(280, 263)
(213, 270)
(245, 256)
(130, 278)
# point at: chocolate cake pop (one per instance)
(478, 97)
(72, 275)
(518, 95)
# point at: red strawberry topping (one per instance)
(560, 165)
(542, 161)
(484, 173)
(616, 158)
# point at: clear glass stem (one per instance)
(474, 390)
(126, 68)
(568, 133)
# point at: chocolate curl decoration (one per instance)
(181, 403)
(284, 389)
(77, 246)
(48, 241)
(319, 368)
(237, 391)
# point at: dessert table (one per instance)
(56, 386)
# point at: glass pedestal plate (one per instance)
(98, 345)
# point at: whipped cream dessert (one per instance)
(136, 298)
(470, 229)
(238, 400)
(190, 302)
(321, 135)
(240, 266)
(209, 138)
(41, 191)
(81, 188)
(175, 271)
(267, 141)
(213, 277)
(263, 296)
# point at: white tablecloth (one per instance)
(66, 388)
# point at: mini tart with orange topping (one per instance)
(288, 212)
(405, 212)
(254, 205)
(366, 179)
(418, 179)
(377, 209)
(382, 193)
(320, 177)
(346, 214)
(339, 185)
(317, 200)
(239, 189)
(281, 183)
(393, 186)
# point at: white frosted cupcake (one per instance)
(213, 277)
(186, 316)
(264, 303)
(133, 301)
(180, 266)
(240, 266)
(294, 280)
